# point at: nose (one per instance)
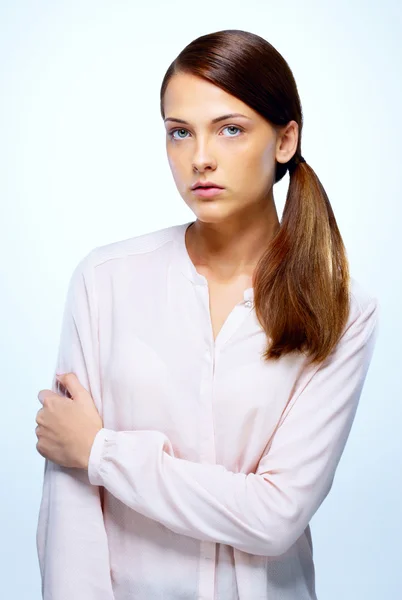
(203, 158)
(202, 164)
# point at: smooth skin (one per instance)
(232, 229)
(67, 427)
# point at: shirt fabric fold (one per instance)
(211, 461)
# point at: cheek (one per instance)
(250, 167)
(253, 174)
(259, 162)
(177, 163)
(260, 156)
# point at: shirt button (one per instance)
(248, 303)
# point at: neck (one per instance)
(231, 248)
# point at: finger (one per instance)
(40, 449)
(39, 415)
(45, 394)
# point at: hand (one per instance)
(67, 426)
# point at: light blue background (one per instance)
(83, 163)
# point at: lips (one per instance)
(206, 185)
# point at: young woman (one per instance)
(213, 368)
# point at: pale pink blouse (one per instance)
(211, 462)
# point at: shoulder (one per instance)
(364, 308)
(136, 245)
(139, 244)
(360, 296)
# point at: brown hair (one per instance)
(301, 283)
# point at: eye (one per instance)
(174, 131)
(233, 127)
(181, 129)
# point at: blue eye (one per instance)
(233, 127)
(174, 131)
(182, 129)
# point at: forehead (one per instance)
(191, 96)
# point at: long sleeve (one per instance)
(261, 513)
(71, 540)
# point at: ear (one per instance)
(286, 143)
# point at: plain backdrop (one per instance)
(83, 163)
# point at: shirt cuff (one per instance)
(95, 458)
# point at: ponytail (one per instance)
(301, 283)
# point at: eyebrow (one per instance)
(216, 120)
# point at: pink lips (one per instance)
(207, 192)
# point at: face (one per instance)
(237, 153)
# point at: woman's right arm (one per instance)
(71, 540)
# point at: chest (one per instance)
(222, 300)
(160, 371)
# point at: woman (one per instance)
(214, 367)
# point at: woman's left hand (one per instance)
(67, 426)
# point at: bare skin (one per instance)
(232, 229)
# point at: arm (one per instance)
(71, 540)
(264, 512)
